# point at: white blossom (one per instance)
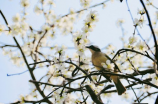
(45, 27)
(50, 2)
(16, 18)
(104, 65)
(136, 22)
(25, 3)
(139, 22)
(93, 16)
(15, 29)
(108, 65)
(141, 46)
(132, 40)
(140, 11)
(78, 39)
(37, 10)
(85, 3)
(28, 97)
(60, 50)
(24, 26)
(70, 99)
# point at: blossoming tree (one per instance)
(70, 76)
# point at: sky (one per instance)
(104, 33)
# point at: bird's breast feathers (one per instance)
(98, 58)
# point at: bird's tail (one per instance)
(120, 88)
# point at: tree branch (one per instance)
(94, 97)
(153, 33)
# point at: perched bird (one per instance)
(97, 59)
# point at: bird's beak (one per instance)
(87, 46)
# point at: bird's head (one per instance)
(93, 48)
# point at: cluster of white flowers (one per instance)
(28, 48)
(66, 98)
(65, 24)
(140, 21)
(15, 57)
(70, 99)
(137, 61)
(58, 99)
(58, 66)
(92, 17)
(50, 17)
(17, 60)
(141, 46)
(80, 38)
(19, 26)
(97, 89)
(110, 49)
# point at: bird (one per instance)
(98, 58)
